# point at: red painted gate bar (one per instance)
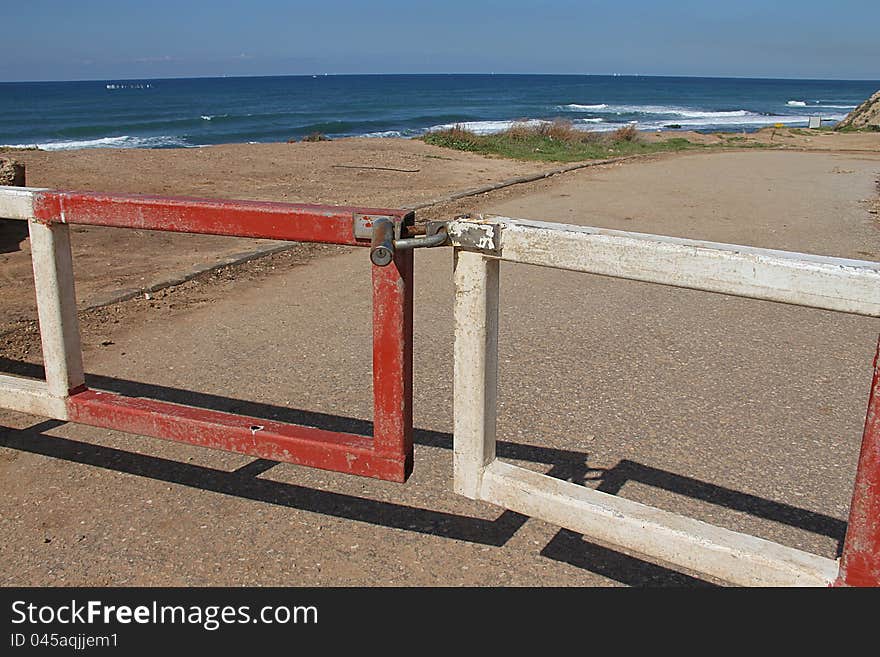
(259, 219)
(386, 455)
(860, 562)
(393, 358)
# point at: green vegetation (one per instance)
(745, 142)
(866, 128)
(316, 136)
(558, 141)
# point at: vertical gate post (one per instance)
(56, 307)
(860, 562)
(392, 359)
(476, 369)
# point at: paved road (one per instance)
(746, 414)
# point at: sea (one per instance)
(189, 113)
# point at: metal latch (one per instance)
(384, 242)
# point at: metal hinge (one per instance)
(385, 241)
(462, 232)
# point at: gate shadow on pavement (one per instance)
(566, 546)
(572, 548)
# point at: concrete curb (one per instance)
(119, 296)
(235, 259)
(510, 182)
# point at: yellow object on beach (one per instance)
(778, 125)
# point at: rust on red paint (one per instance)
(388, 455)
(860, 562)
(276, 441)
(392, 356)
(294, 222)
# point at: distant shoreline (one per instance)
(400, 75)
(704, 136)
(192, 112)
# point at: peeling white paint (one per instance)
(17, 202)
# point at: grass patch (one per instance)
(745, 142)
(849, 128)
(558, 141)
(316, 136)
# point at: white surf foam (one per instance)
(487, 127)
(679, 111)
(123, 141)
(392, 133)
(796, 103)
(754, 121)
(669, 110)
(696, 121)
(574, 107)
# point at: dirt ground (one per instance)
(109, 260)
(747, 414)
(349, 171)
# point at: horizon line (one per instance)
(313, 75)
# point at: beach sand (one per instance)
(741, 413)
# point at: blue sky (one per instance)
(103, 39)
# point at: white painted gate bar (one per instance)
(830, 283)
(56, 309)
(851, 286)
(18, 202)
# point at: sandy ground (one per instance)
(746, 414)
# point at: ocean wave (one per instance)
(409, 132)
(679, 111)
(669, 110)
(722, 120)
(846, 107)
(796, 103)
(211, 117)
(487, 127)
(574, 107)
(384, 133)
(754, 121)
(123, 141)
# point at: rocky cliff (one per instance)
(866, 115)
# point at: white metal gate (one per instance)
(838, 284)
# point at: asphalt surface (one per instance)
(743, 413)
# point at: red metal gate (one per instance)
(385, 455)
